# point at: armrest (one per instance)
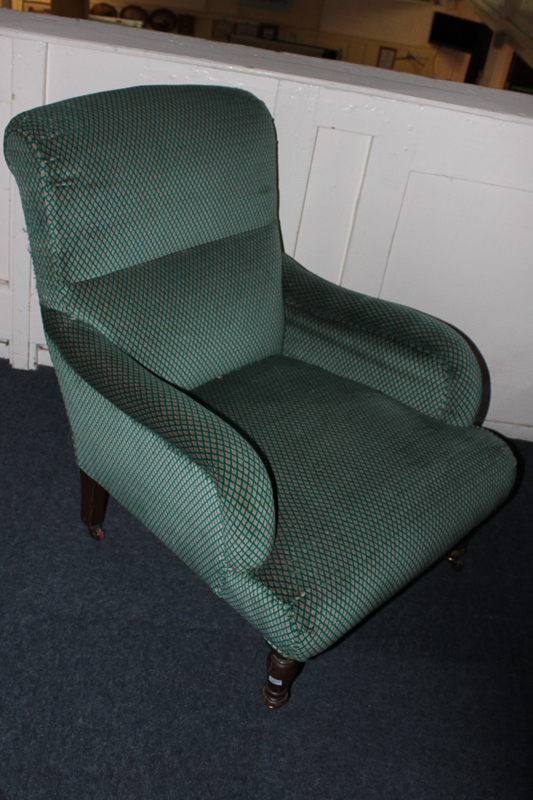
(411, 356)
(243, 487)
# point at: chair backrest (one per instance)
(152, 214)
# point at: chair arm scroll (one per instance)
(246, 512)
(409, 355)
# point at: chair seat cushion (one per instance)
(369, 491)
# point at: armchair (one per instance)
(307, 450)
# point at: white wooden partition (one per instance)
(414, 190)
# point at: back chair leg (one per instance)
(93, 505)
(281, 672)
(456, 556)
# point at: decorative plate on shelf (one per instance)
(136, 13)
(162, 19)
(104, 10)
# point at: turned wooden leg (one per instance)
(93, 505)
(456, 556)
(281, 672)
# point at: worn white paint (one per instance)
(335, 178)
(27, 90)
(73, 71)
(445, 275)
(419, 191)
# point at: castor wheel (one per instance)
(456, 563)
(93, 505)
(456, 556)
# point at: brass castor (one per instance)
(455, 557)
(97, 533)
(457, 564)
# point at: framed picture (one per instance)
(269, 32)
(387, 56)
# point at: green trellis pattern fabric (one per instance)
(407, 354)
(288, 439)
(369, 493)
(158, 483)
(244, 511)
(156, 314)
(134, 198)
(169, 493)
(124, 177)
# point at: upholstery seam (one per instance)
(85, 281)
(34, 143)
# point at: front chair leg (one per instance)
(281, 672)
(456, 556)
(93, 505)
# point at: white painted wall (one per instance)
(418, 191)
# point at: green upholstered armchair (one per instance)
(307, 450)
